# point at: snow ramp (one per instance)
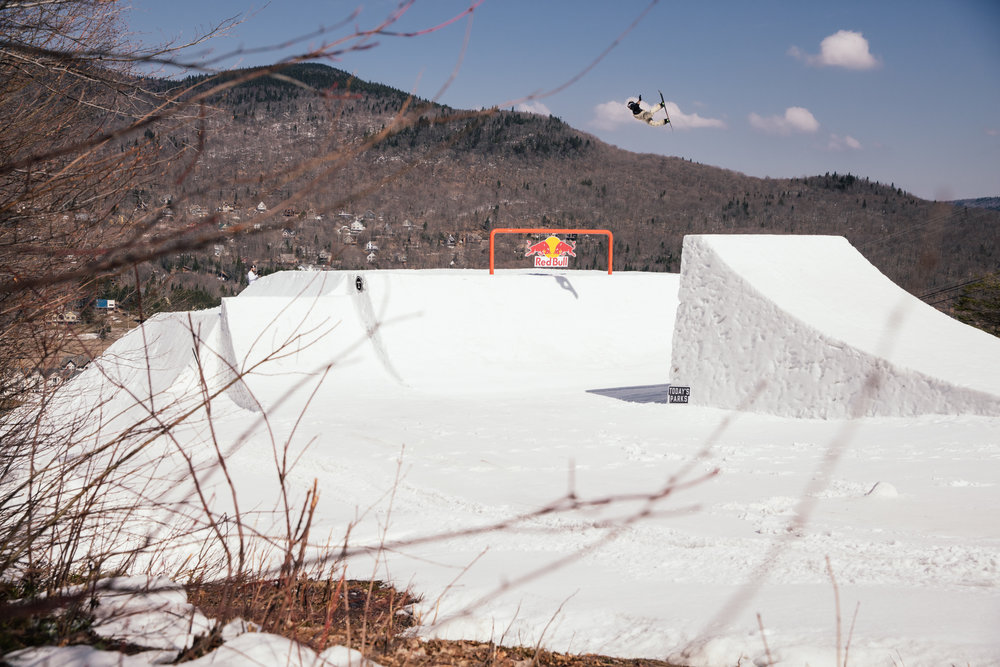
(351, 334)
(161, 363)
(805, 326)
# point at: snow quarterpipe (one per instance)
(805, 326)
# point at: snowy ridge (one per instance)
(801, 326)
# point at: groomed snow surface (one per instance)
(838, 431)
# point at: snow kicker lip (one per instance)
(805, 326)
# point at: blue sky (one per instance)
(902, 91)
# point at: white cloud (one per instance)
(682, 120)
(613, 115)
(534, 107)
(847, 142)
(844, 48)
(795, 120)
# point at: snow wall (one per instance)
(805, 326)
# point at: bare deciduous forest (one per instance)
(428, 184)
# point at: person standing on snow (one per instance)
(252, 274)
(646, 115)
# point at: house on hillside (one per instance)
(72, 365)
(261, 207)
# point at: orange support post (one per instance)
(505, 230)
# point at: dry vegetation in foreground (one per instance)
(369, 616)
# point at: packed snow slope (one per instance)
(503, 445)
(390, 333)
(444, 331)
(805, 326)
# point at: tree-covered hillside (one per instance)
(321, 149)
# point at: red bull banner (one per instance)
(552, 253)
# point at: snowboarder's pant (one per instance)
(647, 115)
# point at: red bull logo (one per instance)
(552, 252)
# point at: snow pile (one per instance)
(804, 326)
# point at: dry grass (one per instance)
(369, 616)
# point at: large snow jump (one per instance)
(377, 334)
(805, 326)
(447, 331)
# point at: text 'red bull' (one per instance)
(552, 252)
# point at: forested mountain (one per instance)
(321, 150)
(992, 203)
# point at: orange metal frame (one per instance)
(605, 232)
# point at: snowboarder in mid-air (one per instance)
(646, 115)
